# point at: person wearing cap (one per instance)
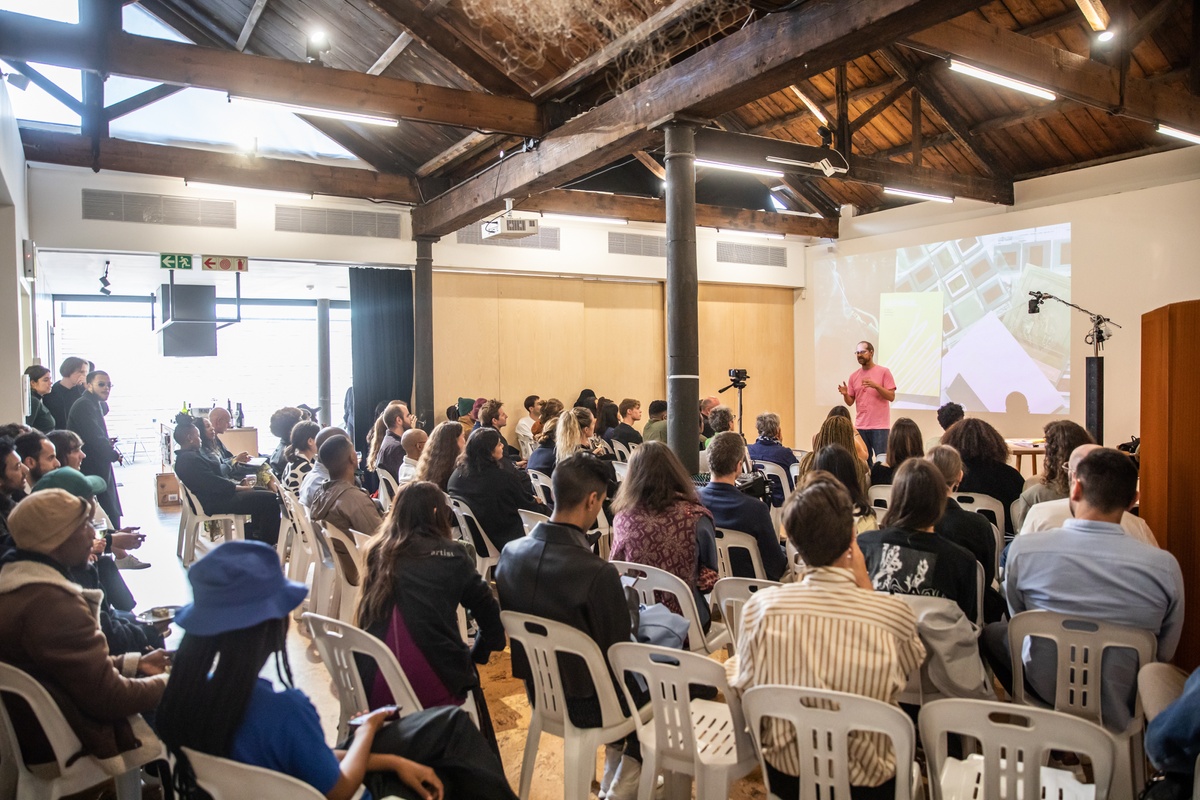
(239, 620)
(49, 629)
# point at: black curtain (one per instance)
(381, 338)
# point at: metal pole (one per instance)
(423, 332)
(323, 373)
(683, 340)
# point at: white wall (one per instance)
(14, 296)
(1135, 233)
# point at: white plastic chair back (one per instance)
(621, 468)
(542, 486)
(991, 508)
(348, 590)
(605, 446)
(68, 775)
(776, 473)
(795, 563)
(543, 640)
(304, 549)
(998, 533)
(704, 462)
(620, 451)
(387, 488)
(530, 519)
(794, 473)
(980, 582)
(729, 540)
(701, 738)
(233, 524)
(225, 779)
(880, 496)
(730, 594)
(487, 556)
(1016, 742)
(652, 580)
(325, 589)
(287, 526)
(337, 642)
(823, 721)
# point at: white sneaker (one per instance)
(612, 761)
(625, 784)
(130, 561)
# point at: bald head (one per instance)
(413, 441)
(325, 434)
(219, 418)
(1078, 454)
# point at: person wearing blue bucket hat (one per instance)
(216, 703)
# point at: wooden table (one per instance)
(1025, 447)
(241, 440)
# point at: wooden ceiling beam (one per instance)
(759, 59)
(881, 105)
(140, 100)
(855, 95)
(248, 26)
(1069, 75)
(272, 79)
(987, 126)
(1052, 25)
(649, 162)
(48, 86)
(811, 193)
(453, 152)
(924, 179)
(393, 51)
(644, 209)
(1148, 23)
(229, 169)
(1194, 66)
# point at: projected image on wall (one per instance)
(951, 321)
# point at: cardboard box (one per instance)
(167, 489)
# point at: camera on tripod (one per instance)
(738, 378)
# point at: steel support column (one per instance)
(324, 392)
(683, 340)
(423, 332)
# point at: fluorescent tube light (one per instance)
(1178, 134)
(1001, 80)
(937, 198)
(346, 116)
(700, 162)
(755, 234)
(253, 190)
(578, 218)
(813, 107)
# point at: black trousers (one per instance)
(263, 507)
(446, 740)
(113, 584)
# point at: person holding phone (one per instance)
(216, 703)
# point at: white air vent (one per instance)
(636, 244)
(546, 238)
(159, 209)
(762, 255)
(337, 221)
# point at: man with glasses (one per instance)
(870, 388)
(87, 420)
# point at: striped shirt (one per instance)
(827, 633)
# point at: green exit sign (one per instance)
(174, 261)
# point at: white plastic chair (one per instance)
(189, 533)
(1159, 685)
(620, 450)
(348, 589)
(795, 563)
(621, 468)
(794, 473)
(543, 640)
(387, 488)
(653, 579)
(685, 738)
(302, 552)
(287, 526)
(487, 556)
(880, 496)
(542, 486)
(225, 779)
(1080, 644)
(823, 721)
(730, 594)
(777, 472)
(991, 508)
(729, 540)
(1016, 742)
(68, 774)
(324, 588)
(530, 519)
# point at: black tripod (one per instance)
(739, 384)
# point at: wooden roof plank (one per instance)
(256, 11)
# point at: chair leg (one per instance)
(129, 785)
(649, 776)
(677, 786)
(712, 783)
(1123, 771)
(529, 761)
(579, 766)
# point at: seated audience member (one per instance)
(550, 409)
(1173, 742)
(415, 576)
(86, 418)
(630, 411)
(608, 419)
(492, 415)
(37, 454)
(49, 629)
(985, 463)
(464, 419)
(495, 494)
(413, 441)
(553, 573)
(829, 631)
(967, 529)
(1089, 568)
(720, 419)
(525, 440)
(220, 420)
(904, 442)
(574, 433)
(474, 415)
(860, 445)
(300, 455)
(340, 501)
(947, 415)
(217, 703)
(440, 455)
(768, 448)
(12, 481)
(734, 510)
(40, 417)
(655, 429)
(281, 424)
(586, 399)
(543, 457)
(201, 474)
(123, 633)
(660, 522)
(387, 453)
(706, 407)
(67, 390)
(843, 465)
(906, 556)
(839, 430)
(1051, 514)
(1062, 437)
(318, 474)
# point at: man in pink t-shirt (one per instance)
(872, 388)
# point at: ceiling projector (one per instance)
(507, 227)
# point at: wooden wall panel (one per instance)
(465, 328)
(626, 335)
